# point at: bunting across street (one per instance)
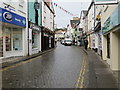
(55, 4)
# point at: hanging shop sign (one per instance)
(106, 2)
(12, 18)
(112, 21)
(34, 27)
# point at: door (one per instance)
(1, 45)
(30, 42)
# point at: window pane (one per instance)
(17, 39)
(8, 39)
(34, 39)
(1, 43)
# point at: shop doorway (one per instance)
(1, 43)
(1, 46)
(108, 46)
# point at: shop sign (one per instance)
(106, 2)
(12, 18)
(34, 27)
(112, 21)
(106, 25)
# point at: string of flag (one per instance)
(56, 5)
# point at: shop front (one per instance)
(47, 39)
(1, 42)
(13, 28)
(34, 39)
(111, 40)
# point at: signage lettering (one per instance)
(18, 20)
(12, 18)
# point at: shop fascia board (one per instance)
(116, 28)
(108, 24)
(34, 26)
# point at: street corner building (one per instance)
(111, 36)
(26, 27)
(13, 28)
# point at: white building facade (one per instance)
(111, 35)
(48, 24)
(13, 28)
(47, 15)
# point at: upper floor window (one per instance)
(21, 2)
(22, 6)
(44, 8)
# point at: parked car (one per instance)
(68, 42)
(62, 42)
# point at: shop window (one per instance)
(34, 39)
(108, 46)
(17, 39)
(1, 44)
(8, 39)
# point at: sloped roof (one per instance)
(84, 12)
(74, 22)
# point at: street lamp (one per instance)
(36, 5)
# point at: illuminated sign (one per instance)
(12, 18)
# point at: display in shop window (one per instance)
(1, 46)
(17, 40)
(8, 43)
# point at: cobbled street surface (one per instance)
(59, 68)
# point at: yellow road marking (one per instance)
(18, 64)
(82, 73)
(82, 80)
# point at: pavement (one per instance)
(100, 74)
(5, 62)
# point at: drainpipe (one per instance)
(28, 25)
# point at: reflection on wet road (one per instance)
(59, 68)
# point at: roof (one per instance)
(84, 12)
(74, 22)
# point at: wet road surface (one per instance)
(59, 68)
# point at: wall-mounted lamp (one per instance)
(36, 5)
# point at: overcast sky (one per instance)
(74, 6)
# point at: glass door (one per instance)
(8, 39)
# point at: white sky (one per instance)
(74, 6)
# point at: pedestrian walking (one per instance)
(55, 43)
(86, 44)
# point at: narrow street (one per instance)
(59, 68)
(59, 44)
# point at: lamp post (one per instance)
(36, 6)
